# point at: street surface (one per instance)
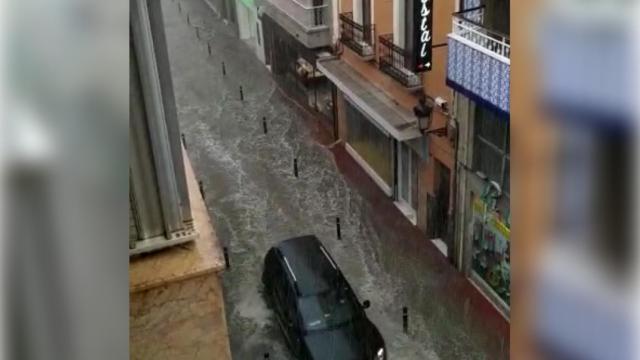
(256, 201)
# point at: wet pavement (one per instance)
(255, 201)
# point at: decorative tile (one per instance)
(480, 74)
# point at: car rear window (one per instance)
(326, 310)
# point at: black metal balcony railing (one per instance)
(359, 38)
(396, 62)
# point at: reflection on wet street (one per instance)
(255, 200)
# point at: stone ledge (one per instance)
(200, 257)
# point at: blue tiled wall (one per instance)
(477, 75)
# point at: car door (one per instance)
(294, 321)
(282, 301)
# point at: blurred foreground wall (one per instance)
(573, 135)
(159, 212)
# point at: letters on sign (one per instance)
(423, 19)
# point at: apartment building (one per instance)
(478, 71)
(390, 54)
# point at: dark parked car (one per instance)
(316, 309)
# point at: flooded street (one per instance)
(255, 200)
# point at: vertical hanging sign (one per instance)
(422, 33)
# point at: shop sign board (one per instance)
(422, 25)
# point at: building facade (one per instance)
(587, 253)
(159, 211)
(296, 33)
(250, 26)
(378, 82)
(479, 73)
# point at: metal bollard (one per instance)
(264, 124)
(209, 48)
(405, 319)
(338, 228)
(295, 167)
(241, 94)
(188, 20)
(224, 69)
(201, 189)
(225, 251)
(184, 141)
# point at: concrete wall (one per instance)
(383, 16)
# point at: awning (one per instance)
(376, 105)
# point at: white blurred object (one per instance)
(28, 144)
(582, 311)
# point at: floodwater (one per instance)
(255, 200)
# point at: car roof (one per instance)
(313, 270)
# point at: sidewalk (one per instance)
(176, 303)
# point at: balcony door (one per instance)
(406, 180)
(366, 21)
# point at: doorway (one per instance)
(366, 21)
(438, 205)
(406, 174)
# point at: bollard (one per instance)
(201, 188)
(184, 141)
(224, 70)
(264, 124)
(241, 94)
(405, 319)
(198, 33)
(209, 48)
(295, 167)
(188, 20)
(338, 228)
(226, 257)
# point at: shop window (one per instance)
(491, 147)
(491, 217)
(370, 143)
(491, 257)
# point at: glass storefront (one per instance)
(491, 247)
(407, 175)
(373, 146)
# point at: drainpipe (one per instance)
(451, 232)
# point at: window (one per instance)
(490, 229)
(370, 143)
(491, 153)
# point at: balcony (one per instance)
(395, 62)
(309, 21)
(479, 63)
(357, 37)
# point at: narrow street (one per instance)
(255, 201)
